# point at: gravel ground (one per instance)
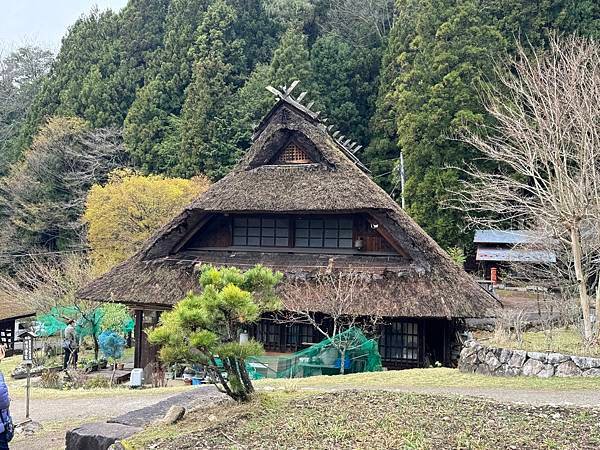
(59, 415)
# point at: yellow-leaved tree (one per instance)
(125, 212)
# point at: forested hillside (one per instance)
(174, 87)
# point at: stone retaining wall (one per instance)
(477, 358)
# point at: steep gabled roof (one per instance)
(429, 284)
(11, 309)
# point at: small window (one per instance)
(293, 154)
(260, 232)
(324, 233)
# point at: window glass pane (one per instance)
(346, 223)
(316, 223)
(267, 241)
(301, 223)
(331, 223)
(239, 240)
(240, 231)
(331, 243)
(253, 241)
(302, 233)
(282, 232)
(268, 231)
(253, 231)
(282, 242)
(254, 221)
(331, 233)
(318, 233)
(346, 234)
(268, 223)
(282, 223)
(345, 243)
(317, 243)
(301, 242)
(240, 221)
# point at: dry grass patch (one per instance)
(372, 419)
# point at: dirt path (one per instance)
(59, 415)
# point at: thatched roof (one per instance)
(426, 284)
(11, 309)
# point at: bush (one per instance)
(50, 380)
(97, 382)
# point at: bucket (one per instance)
(196, 381)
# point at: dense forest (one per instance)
(174, 88)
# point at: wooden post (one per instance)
(28, 391)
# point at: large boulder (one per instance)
(584, 362)
(547, 371)
(505, 355)
(174, 415)
(542, 357)
(492, 361)
(592, 373)
(557, 358)
(98, 436)
(532, 367)
(568, 369)
(517, 359)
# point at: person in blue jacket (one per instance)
(4, 406)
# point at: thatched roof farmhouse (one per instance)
(300, 202)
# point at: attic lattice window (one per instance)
(293, 154)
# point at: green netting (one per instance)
(325, 358)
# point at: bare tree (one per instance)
(333, 303)
(545, 144)
(44, 283)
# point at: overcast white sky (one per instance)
(43, 22)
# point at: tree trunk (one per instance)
(584, 298)
(598, 308)
(245, 377)
(96, 347)
(343, 361)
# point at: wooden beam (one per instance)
(191, 232)
(387, 236)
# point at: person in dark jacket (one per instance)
(4, 405)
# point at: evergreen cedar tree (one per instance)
(410, 91)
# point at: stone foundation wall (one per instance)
(477, 358)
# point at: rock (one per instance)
(481, 355)
(547, 371)
(556, 358)
(532, 367)
(512, 371)
(117, 446)
(29, 428)
(518, 358)
(483, 369)
(542, 357)
(174, 415)
(592, 373)
(471, 359)
(491, 361)
(505, 355)
(568, 369)
(98, 436)
(586, 363)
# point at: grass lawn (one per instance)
(374, 419)
(560, 340)
(439, 377)
(17, 387)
